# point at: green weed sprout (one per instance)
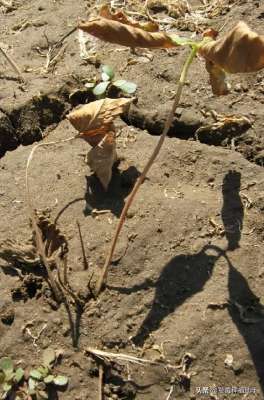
(32, 386)
(41, 377)
(9, 377)
(107, 80)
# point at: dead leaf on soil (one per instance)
(120, 16)
(224, 122)
(126, 35)
(55, 244)
(52, 248)
(18, 254)
(240, 50)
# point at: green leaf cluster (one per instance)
(107, 79)
(41, 377)
(35, 386)
(9, 376)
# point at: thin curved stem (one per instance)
(146, 169)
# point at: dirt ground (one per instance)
(186, 283)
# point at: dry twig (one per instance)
(105, 355)
(12, 63)
(170, 392)
(53, 56)
(85, 263)
(101, 383)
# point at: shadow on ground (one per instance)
(186, 275)
(120, 186)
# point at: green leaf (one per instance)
(19, 374)
(126, 86)
(60, 380)
(181, 41)
(35, 374)
(107, 70)
(32, 385)
(105, 77)
(100, 88)
(7, 387)
(49, 379)
(9, 375)
(6, 364)
(49, 357)
(43, 370)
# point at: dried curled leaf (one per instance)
(102, 157)
(15, 253)
(224, 127)
(94, 121)
(217, 79)
(125, 35)
(240, 50)
(97, 117)
(120, 16)
(45, 236)
(54, 242)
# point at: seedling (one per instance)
(94, 120)
(101, 88)
(9, 377)
(41, 377)
(33, 386)
(226, 54)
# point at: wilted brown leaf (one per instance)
(125, 35)
(15, 253)
(94, 121)
(240, 50)
(223, 127)
(55, 244)
(217, 79)
(97, 117)
(102, 157)
(120, 16)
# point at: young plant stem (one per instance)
(141, 178)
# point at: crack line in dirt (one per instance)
(26, 124)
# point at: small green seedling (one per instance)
(18, 385)
(41, 377)
(107, 80)
(9, 377)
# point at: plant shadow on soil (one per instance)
(121, 185)
(186, 274)
(95, 196)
